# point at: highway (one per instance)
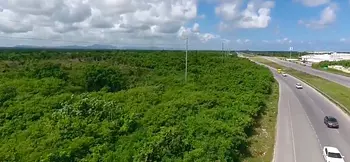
(343, 80)
(301, 133)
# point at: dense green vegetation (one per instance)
(128, 106)
(345, 63)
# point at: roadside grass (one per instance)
(334, 71)
(334, 91)
(267, 62)
(262, 143)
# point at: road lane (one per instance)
(296, 140)
(343, 80)
(316, 107)
(305, 109)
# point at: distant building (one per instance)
(325, 56)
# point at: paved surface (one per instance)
(343, 80)
(301, 133)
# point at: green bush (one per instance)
(345, 63)
(129, 106)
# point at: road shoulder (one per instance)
(263, 141)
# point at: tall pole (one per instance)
(186, 59)
(290, 54)
(222, 50)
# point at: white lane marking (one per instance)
(334, 106)
(291, 128)
(318, 140)
(312, 127)
(310, 124)
(338, 131)
(314, 103)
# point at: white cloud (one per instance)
(223, 26)
(116, 21)
(193, 33)
(255, 15)
(195, 28)
(284, 41)
(243, 41)
(226, 40)
(327, 17)
(202, 16)
(342, 40)
(313, 3)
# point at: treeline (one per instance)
(344, 63)
(128, 106)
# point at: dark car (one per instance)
(331, 122)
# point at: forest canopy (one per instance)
(128, 105)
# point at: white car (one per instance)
(332, 154)
(298, 86)
(284, 74)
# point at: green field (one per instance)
(335, 91)
(134, 106)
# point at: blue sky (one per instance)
(301, 22)
(241, 24)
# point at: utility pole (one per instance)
(222, 50)
(186, 59)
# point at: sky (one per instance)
(310, 25)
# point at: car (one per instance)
(332, 154)
(298, 86)
(331, 122)
(284, 74)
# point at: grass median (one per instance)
(262, 143)
(334, 91)
(334, 71)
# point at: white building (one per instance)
(334, 56)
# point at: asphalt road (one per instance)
(301, 133)
(343, 80)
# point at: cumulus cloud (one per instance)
(193, 33)
(255, 15)
(327, 17)
(117, 21)
(313, 3)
